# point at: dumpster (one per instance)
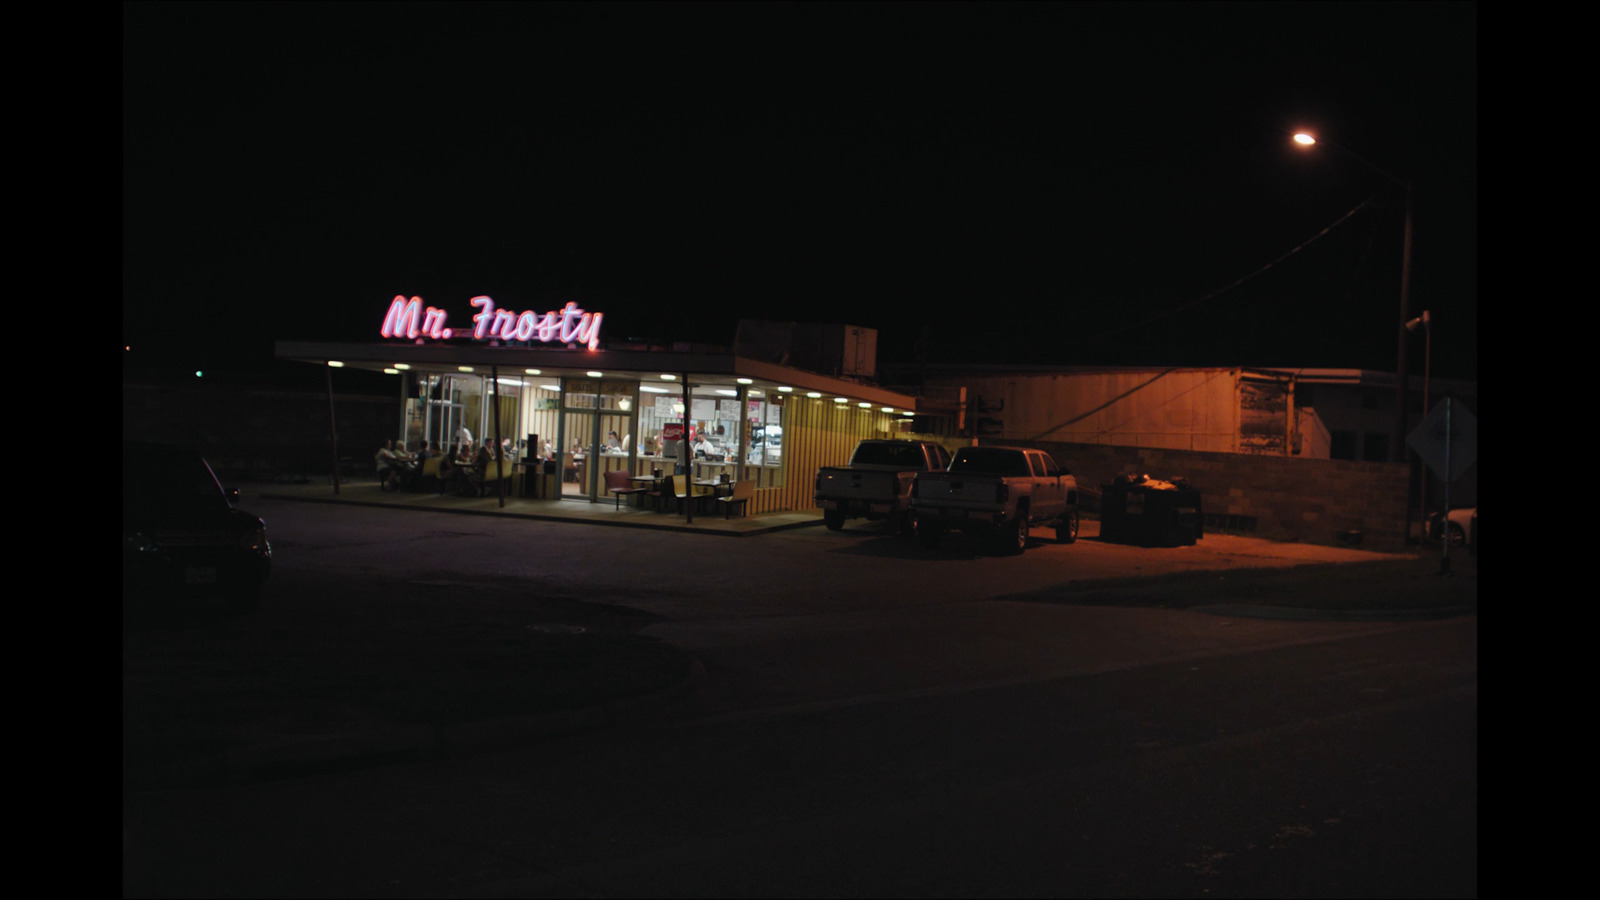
(1137, 509)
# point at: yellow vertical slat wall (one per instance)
(817, 432)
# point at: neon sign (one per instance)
(569, 325)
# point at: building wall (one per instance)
(1189, 409)
(1315, 442)
(1315, 501)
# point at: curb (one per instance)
(539, 517)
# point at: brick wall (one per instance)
(1315, 501)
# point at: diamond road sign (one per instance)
(1433, 441)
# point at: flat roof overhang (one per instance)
(644, 365)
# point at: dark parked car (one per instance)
(181, 536)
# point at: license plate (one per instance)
(200, 575)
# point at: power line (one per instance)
(1230, 286)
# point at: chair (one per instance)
(658, 493)
(743, 491)
(682, 487)
(430, 474)
(617, 483)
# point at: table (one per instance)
(650, 482)
(717, 487)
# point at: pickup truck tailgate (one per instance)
(853, 487)
(941, 490)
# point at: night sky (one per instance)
(1070, 184)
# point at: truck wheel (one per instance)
(904, 524)
(833, 518)
(1016, 534)
(1067, 528)
(929, 536)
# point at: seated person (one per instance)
(388, 467)
(448, 467)
(472, 474)
(409, 465)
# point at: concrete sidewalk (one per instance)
(582, 511)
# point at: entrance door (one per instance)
(596, 433)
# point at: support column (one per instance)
(333, 430)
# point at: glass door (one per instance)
(578, 438)
(445, 412)
(597, 433)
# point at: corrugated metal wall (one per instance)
(817, 432)
(1180, 409)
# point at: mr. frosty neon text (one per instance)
(569, 325)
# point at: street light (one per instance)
(1397, 439)
(1423, 324)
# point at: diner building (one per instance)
(572, 408)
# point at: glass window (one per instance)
(541, 404)
(582, 393)
(659, 405)
(616, 420)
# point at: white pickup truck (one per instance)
(877, 482)
(999, 492)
